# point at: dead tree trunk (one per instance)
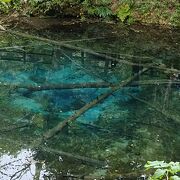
(81, 111)
(72, 47)
(74, 156)
(85, 85)
(163, 112)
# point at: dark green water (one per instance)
(138, 123)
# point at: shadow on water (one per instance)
(137, 123)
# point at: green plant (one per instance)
(4, 5)
(163, 170)
(97, 8)
(175, 18)
(123, 12)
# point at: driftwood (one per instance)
(74, 156)
(12, 48)
(158, 109)
(14, 127)
(140, 58)
(127, 176)
(94, 127)
(68, 46)
(72, 47)
(84, 159)
(60, 86)
(81, 111)
(69, 86)
(87, 39)
(155, 82)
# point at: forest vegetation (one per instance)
(162, 12)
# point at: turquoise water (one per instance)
(138, 123)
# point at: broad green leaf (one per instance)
(174, 167)
(159, 174)
(156, 164)
(174, 178)
(5, 1)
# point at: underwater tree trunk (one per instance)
(69, 86)
(163, 112)
(81, 111)
(106, 57)
(74, 156)
(87, 85)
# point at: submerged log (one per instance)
(158, 109)
(40, 148)
(94, 102)
(85, 85)
(84, 159)
(32, 88)
(70, 86)
(14, 127)
(72, 47)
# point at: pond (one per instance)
(43, 84)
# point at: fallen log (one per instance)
(70, 86)
(158, 109)
(68, 46)
(57, 86)
(94, 127)
(74, 156)
(94, 85)
(87, 39)
(140, 58)
(14, 127)
(84, 85)
(39, 147)
(81, 111)
(72, 47)
(12, 48)
(155, 82)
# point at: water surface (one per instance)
(137, 123)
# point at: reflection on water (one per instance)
(14, 167)
(21, 166)
(42, 85)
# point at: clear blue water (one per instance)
(138, 123)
